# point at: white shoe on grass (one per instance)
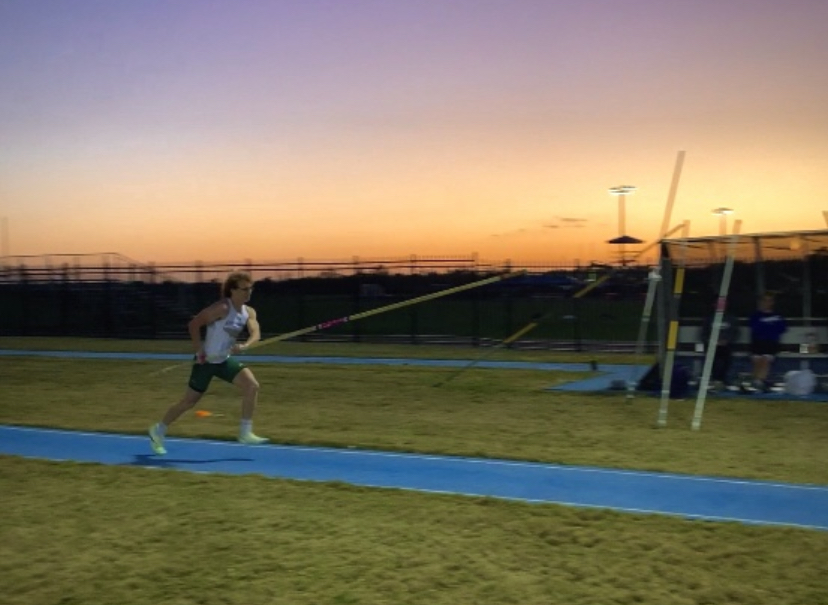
(251, 439)
(156, 441)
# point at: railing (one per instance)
(114, 296)
(113, 266)
(123, 300)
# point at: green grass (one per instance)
(484, 412)
(75, 533)
(79, 533)
(321, 349)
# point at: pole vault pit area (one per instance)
(789, 265)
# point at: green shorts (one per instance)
(202, 373)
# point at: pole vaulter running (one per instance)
(371, 312)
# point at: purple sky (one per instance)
(218, 130)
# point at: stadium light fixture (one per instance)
(723, 212)
(621, 191)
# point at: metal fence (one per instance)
(114, 266)
(109, 295)
(112, 296)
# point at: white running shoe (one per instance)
(251, 439)
(156, 441)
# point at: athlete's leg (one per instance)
(249, 387)
(187, 402)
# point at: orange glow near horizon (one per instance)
(180, 133)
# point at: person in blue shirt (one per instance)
(766, 329)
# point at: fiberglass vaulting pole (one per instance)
(724, 288)
(672, 335)
(369, 313)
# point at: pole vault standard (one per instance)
(541, 318)
(362, 315)
(672, 335)
(724, 288)
(665, 223)
(655, 276)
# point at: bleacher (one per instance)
(800, 341)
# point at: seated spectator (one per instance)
(723, 357)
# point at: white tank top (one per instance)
(222, 334)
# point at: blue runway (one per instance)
(754, 502)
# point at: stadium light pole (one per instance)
(4, 237)
(621, 192)
(723, 212)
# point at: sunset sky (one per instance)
(217, 130)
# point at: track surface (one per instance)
(688, 496)
(640, 492)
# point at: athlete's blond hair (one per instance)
(233, 280)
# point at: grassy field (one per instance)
(75, 533)
(319, 348)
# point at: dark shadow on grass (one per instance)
(164, 462)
